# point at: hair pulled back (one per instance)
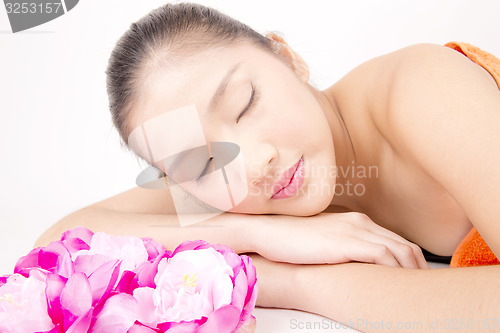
(173, 31)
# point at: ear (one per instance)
(295, 61)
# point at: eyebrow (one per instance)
(222, 87)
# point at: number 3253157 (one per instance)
(32, 8)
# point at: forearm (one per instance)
(228, 229)
(323, 238)
(373, 297)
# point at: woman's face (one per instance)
(252, 98)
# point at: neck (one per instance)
(345, 155)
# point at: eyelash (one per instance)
(203, 173)
(251, 103)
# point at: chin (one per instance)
(301, 205)
(306, 206)
(316, 206)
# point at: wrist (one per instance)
(241, 232)
(276, 282)
(256, 232)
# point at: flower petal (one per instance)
(81, 233)
(24, 264)
(88, 263)
(77, 239)
(253, 288)
(222, 320)
(139, 328)
(147, 271)
(129, 250)
(56, 329)
(55, 285)
(183, 326)
(118, 315)
(233, 260)
(240, 290)
(153, 248)
(190, 245)
(127, 283)
(82, 324)
(147, 309)
(56, 258)
(103, 280)
(76, 298)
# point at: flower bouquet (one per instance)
(88, 282)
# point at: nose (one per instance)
(259, 159)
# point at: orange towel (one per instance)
(473, 250)
(480, 57)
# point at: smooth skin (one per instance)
(425, 116)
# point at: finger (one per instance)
(417, 251)
(379, 230)
(422, 263)
(369, 252)
(403, 252)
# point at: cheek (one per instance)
(285, 120)
(299, 114)
(303, 125)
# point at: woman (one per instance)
(409, 136)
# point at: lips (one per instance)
(290, 182)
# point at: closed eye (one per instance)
(250, 104)
(205, 169)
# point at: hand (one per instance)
(332, 238)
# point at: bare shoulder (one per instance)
(412, 59)
(425, 80)
(417, 75)
(443, 114)
(423, 69)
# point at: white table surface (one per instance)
(279, 320)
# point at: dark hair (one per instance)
(171, 31)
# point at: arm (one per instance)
(324, 238)
(164, 228)
(150, 213)
(404, 300)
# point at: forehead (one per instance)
(193, 81)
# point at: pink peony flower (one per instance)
(201, 288)
(89, 282)
(23, 305)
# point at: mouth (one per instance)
(290, 182)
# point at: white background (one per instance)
(58, 149)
